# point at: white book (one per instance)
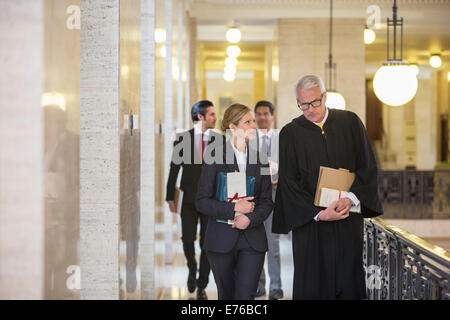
(236, 190)
(328, 196)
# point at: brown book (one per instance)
(338, 179)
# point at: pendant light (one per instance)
(334, 100)
(395, 83)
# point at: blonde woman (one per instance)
(236, 251)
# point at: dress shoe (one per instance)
(201, 294)
(260, 292)
(276, 294)
(191, 283)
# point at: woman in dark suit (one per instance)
(236, 251)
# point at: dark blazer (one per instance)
(221, 237)
(192, 166)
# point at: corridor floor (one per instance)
(172, 276)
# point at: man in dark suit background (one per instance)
(267, 142)
(188, 153)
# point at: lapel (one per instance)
(193, 151)
(226, 155)
(252, 168)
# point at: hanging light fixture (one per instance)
(233, 35)
(395, 83)
(229, 61)
(369, 35)
(233, 51)
(160, 35)
(334, 100)
(435, 61)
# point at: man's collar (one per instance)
(324, 118)
(236, 150)
(198, 129)
(262, 132)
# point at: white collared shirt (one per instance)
(324, 118)
(261, 134)
(241, 158)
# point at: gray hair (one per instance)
(308, 82)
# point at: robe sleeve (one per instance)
(365, 186)
(294, 204)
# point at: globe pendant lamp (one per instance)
(335, 100)
(395, 83)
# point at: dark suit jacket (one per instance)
(221, 237)
(184, 148)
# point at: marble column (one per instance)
(168, 123)
(427, 113)
(99, 149)
(147, 239)
(21, 155)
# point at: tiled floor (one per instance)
(171, 271)
(175, 274)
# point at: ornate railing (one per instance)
(413, 194)
(402, 266)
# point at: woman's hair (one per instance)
(234, 114)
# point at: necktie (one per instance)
(203, 147)
(265, 147)
(320, 124)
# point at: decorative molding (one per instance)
(319, 3)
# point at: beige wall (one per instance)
(240, 90)
(303, 49)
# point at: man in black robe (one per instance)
(327, 242)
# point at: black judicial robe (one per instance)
(327, 255)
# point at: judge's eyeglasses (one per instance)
(314, 103)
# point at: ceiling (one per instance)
(426, 23)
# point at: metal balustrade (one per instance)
(402, 266)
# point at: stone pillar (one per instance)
(187, 85)
(427, 113)
(303, 49)
(168, 123)
(147, 239)
(99, 149)
(21, 155)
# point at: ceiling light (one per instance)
(233, 51)
(229, 77)
(395, 82)
(162, 51)
(335, 100)
(232, 62)
(53, 98)
(229, 69)
(160, 35)
(233, 35)
(435, 61)
(369, 36)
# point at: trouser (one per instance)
(237, 272)
(273, 258)
(189, 220)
